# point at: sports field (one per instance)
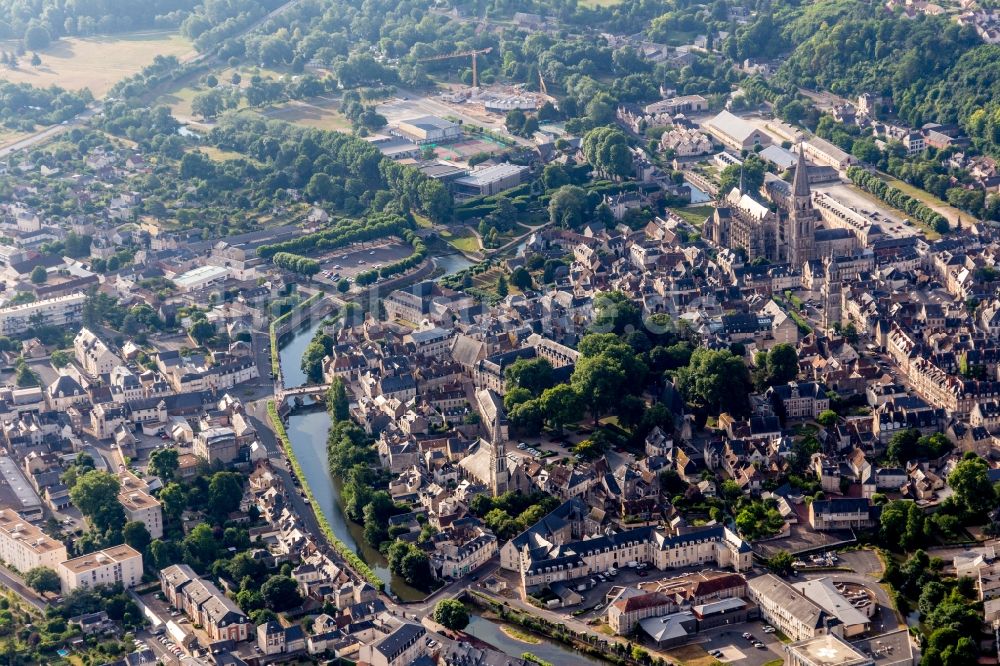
(95, 62)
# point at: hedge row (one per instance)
(344, 233)
(896, 198)
(296, 263)
(348, 555)
(401, 266)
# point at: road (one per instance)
(50, 132)
(16, 585)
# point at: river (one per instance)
(307, 429)
(548, 650)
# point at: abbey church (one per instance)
(783, 232)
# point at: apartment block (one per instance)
(120, 564)
(24, 547)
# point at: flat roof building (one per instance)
(24, 547)
(490, 180)
(119, 564)
(825, 650)
(59, 311)
(201, 277)
(427, 129)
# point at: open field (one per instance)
(462, 239)
(693, 215)
(9, 136)
(219, 155)
(310, 114)
(96, 62)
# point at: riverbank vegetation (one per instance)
(353, 459)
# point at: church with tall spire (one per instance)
(801, 217)
(788, 231)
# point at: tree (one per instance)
(42, 579)
(521, 279)
(782, 363)
(200, 547)
(452, 614)
(827, 418)
(136, 535)
(35, 60)
(970, 481)
(561, 405)
(174, 500)
(606, 149)
(225, 490)
(567, 206)
(502, 289)
(781, 563)
(600, 380)
(337, 402)
(281, 593)
(39, 275)
(163, 463)
(750, 174)
(534, 374)
(202, 331)
(716, 379)
(36, 38)
(208, 104)
(95, 494)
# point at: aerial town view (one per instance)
(500, 332)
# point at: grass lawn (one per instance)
(692, 655)
(179, 100)
(422, 221)
(309, 114)
(932, 201)
(462, 239)
(219, 155)
(97, 63)
(519, 635)
(694, 215)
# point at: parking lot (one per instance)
(359, 258)
(734, 649)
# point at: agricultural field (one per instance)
(96, 63)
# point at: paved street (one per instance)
(15, 584)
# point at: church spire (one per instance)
(800, 184)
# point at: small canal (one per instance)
(307, 430)
(697, 195)
(490, 632)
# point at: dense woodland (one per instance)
(58, 18)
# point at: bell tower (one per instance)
(801, 223)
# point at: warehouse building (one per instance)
(427, 129)
(490, 180)
(736, 133)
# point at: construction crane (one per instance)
(461, 54)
